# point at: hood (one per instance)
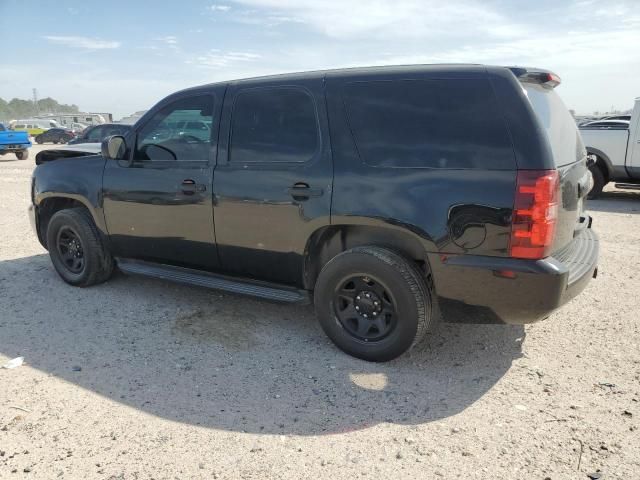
(68, 151)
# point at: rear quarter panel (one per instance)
(450, 211)
(610, 145)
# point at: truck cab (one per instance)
(14, 142)
(615, 152)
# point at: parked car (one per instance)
(78, 128)
(32, 128)
(624, 124)
(55, 135)
(625, 116)
(384, 194)
(97, 133)
(615, 151)
(14, 142)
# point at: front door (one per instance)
(272, 187)
(159, 207)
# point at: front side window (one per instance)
(273, 125)
(181, 131)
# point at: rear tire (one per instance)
(381, 282)
(598, 181)
(76, 249)
(23, 155)
(39, 140)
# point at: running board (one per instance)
(628, 186)
(198, 278)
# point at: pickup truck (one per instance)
(14, 142)
(614, 151)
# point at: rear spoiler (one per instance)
(536, 75)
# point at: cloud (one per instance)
(217, 59)
(400, 19)
(219, 8)
(83, 42)
(169, 40)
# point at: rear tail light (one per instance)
(535, 213)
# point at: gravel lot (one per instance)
(138, 379)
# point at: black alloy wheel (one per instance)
(365, 308)
(70, 249)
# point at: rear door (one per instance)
(272, 186)
(569, 156)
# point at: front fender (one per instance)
(78, 179)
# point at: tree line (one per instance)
(18, 108)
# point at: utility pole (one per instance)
(35, 101)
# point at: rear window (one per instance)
(562, 131)
(440, 123)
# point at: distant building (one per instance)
(67, 119)
(133, 118)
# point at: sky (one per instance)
(122, 56)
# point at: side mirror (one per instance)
(114, 147)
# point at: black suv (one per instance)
(97, 133)
(390, 196)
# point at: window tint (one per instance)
(452, 123)
(167, 136)
(273, 125)
(95, 134)
(558, 123)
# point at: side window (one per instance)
(276, 124)
(440, 123)
(95, 134)
(169, 137)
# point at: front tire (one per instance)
(23, 155)
(373, 303)
(76, 249)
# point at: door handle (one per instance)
(302, 191)
(189, 187)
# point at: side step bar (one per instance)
(198, 278)
(628, 186)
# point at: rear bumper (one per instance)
(478, 289)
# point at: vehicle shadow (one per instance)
(616, 201)
(234, 363)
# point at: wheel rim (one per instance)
(70, 249)
(365, 308)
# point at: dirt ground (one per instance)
(140, 379)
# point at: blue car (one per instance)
(14, 142)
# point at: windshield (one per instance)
(558, 123)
